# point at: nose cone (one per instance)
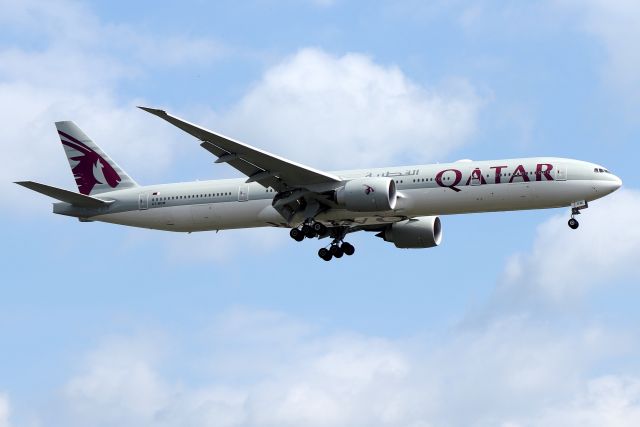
(617, 183)
(611, 185)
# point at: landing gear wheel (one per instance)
(339, 252)
(319, 228)
(310, 233)
(348, 248)
(306, 229)
(296, 234)
(325, 254)
(573, 223)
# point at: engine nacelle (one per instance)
(368, 195)
(421, 232)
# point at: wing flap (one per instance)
(267, 169)
(63, 195)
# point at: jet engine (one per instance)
(368, 195)
(420, 232)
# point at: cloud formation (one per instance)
(347, 111)
(615, 26)
(516, 371)
(73, 73)
(5, 410)
(563, 265)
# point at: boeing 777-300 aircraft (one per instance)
(400, 204)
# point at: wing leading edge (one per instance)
(259, 166)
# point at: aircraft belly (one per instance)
(174, 218)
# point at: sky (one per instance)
(515, 320)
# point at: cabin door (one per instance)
(243, 193)
(143, 201)
(561, 173)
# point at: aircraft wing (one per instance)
(259, 166)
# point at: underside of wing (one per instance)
(259, 166)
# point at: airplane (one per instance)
(401, 204)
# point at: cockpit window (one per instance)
(600, 170)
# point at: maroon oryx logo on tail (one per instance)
(368, 189)
(89, 163)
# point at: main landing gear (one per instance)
(309, 230)
(575, 210)
(338, 248)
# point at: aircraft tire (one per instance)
(348, 249)
(319, 228)
(325, 254)
(296, 234)
(339, 252)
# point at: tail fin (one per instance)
(93, 170)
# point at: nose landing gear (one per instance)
(575, 210)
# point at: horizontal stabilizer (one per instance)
(63, 195)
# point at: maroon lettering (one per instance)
(519, 173)
(456, 181)
(546, 172)
(476, 174)
(498, 172)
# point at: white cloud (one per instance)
(348, 111)
(563, 264)
(73, 72)
(119, 383)
(514, 371)
(603, 401)
(616, 24)
(5, 410)
(223, 246)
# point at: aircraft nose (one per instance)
(617, 183)
(611, 184)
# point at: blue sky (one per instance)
(513, 321)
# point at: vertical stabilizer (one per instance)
(93, 170)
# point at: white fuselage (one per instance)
(424, 190)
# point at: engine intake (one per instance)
(368, 195)
(421, 232)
